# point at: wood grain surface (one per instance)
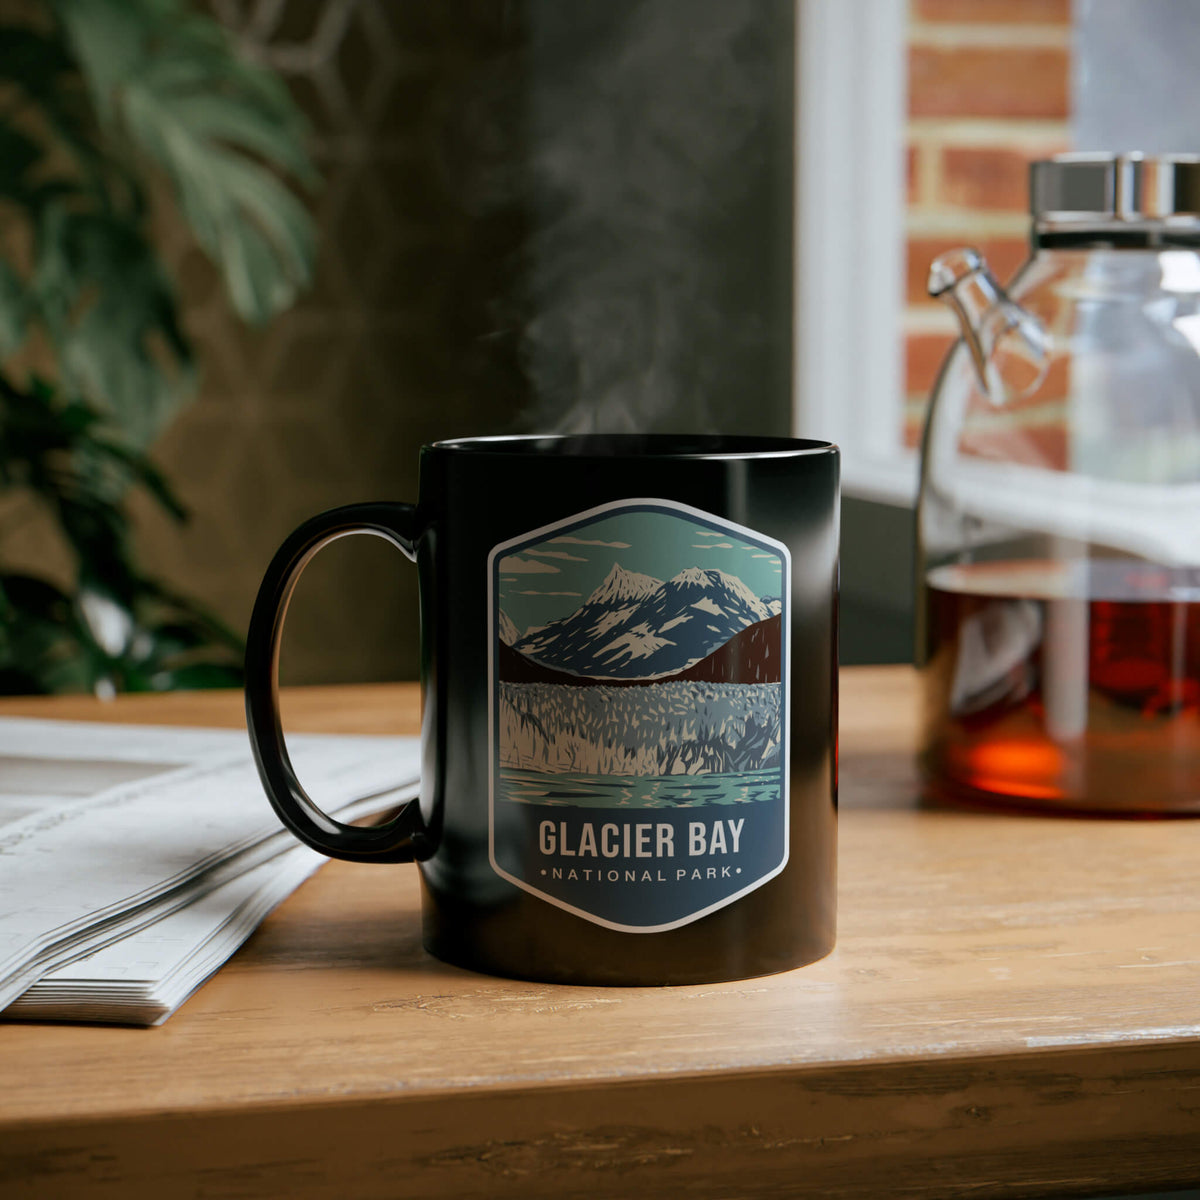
(1013, 1009)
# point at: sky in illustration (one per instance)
(551, 578)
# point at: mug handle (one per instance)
(402, 838)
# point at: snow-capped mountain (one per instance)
(509, 633)
(616, 599)
(636, 627)
(621, 586)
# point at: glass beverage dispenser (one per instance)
(1059, 511)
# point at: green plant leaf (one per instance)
(33, 61)
(18, 154)
(111, 313)
(91, 103)
(42, 648)
(196, 675)
(14, 310)
(173, 87)
(142, 471)
(65, 456)
(107, 38)
(41, 72)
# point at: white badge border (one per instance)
(785, 669)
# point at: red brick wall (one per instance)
(988, 92)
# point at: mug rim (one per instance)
(608, 446)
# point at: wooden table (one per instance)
(1013, 1009)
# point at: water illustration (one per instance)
(624, 791)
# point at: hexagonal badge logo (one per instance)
(639, 712)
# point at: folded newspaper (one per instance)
(134, 860)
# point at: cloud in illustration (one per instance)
(532, 592)
(713, 546)
(702, 533)
(567, 540)
(556, 554)
(509, 579)
(763, 556)
(522, 566)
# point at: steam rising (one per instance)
(658, 263)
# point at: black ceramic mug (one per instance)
(629, 685)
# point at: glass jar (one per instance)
(1059, 510)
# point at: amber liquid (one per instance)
(1064, 686)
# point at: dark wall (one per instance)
(535, 215)
(877, 583)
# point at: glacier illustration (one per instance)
(667, 729)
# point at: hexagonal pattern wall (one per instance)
(535, 213)
(330, 403)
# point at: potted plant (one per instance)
(109, 109)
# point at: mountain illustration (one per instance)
(637, 627)
(621, 587)
(509, 633)
(752, 656)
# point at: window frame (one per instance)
(850, 188)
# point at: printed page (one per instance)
(143, 978)
(75, 868)
(46, 764)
